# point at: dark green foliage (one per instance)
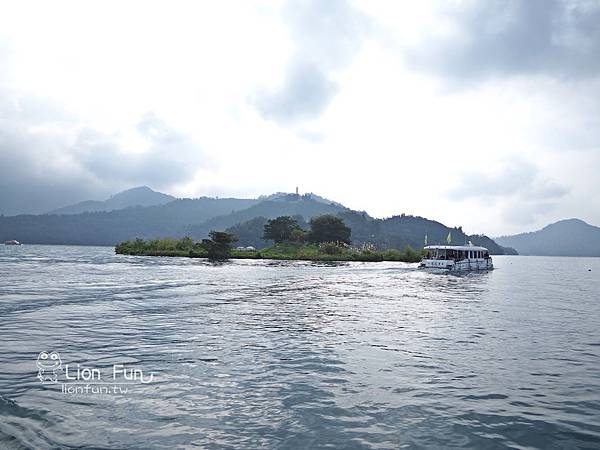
(298, 235)
(328, 228)
(185, 243)
(222, 238)
(165, 247)
(250, 232)
(282, 230)
(411, 255)
(219, 244)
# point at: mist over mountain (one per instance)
(570, 237)
(137, 196)
(197, 217)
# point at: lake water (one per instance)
(264, 354)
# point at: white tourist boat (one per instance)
(457, 258)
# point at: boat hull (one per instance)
(465, 265)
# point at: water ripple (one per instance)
(280, 354)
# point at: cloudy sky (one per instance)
(484, 114)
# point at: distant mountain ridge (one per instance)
(569, 237)
(137, 196)
(245, 217)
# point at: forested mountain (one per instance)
(109, 228)
(307, 196)
(571, 237)
(395, 232)
(243, 217)
(289, 205)
(138, 196)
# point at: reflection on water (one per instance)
(254, 354)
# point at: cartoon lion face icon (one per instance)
(48, 364)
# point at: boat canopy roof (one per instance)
(455, 247)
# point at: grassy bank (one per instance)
(289, 251)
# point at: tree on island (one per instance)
(219, 244)
(328, 228)
(298, 235)
(283, 229)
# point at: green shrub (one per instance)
(219, 247)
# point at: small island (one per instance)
(328, 239)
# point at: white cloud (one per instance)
(380, 105)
